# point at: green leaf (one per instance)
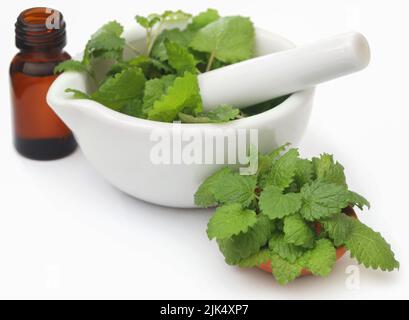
(143, 21)
(180, 58)
(256, 260)
(111, 27)
(133, 108)
(276, 205)
(226, 187)
(175, 16)
(264, 167)
(298, 232)
(370, 248)
(203, 19)
(266, 162)
(320, 260)
(356, 199)
(154, 25)
(181, 37)
(304, 172)
(106, 43)
(70, 66)
(323, 200)
(78, 94)
(205, 195)
(327, 170)
(284, 272)
(152, 68)
(230, 220)
(287, 251)
(229, 39)
(149, 21)
(338, 227)
(283, 170)
(117, 68)
(236, 188)
(222, 113)
(244, 245)
(155, 89)
(182, 96)
(120, 90)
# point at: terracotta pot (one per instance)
(340, 251)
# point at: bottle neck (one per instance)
(53, 52)
(41, 30)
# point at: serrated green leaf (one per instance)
(244, 245)
(155, 89)
(181, 37)
(106, 42)
(370, 248)
(304, 172)
(117, 68)
(150, 67)
(266, 162)
(338, 228)
(180, 58)
(276, 205)
(356, 199)
(111, 27)
(322, 200)
(320, 260)
(226, 187)
(230, 220)
(205, 195)
(70, 66)
(229, 39)
(118, 91)
(182, 96)
(143, 21)
(236, 188)
(255, 260)
(222, 113)
(287, 251)
(329, 171)
(148, 22)
(133, 108)
(283, 170)
(298, 232)
(284, 272)
(203, 19)
(175, 16)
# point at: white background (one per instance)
(66, 233)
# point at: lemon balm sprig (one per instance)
(155, 23)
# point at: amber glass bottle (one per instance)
(38, 132)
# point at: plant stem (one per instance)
(210, 63)
(148, 40)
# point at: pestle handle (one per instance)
(263, 78)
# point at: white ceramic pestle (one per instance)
(263, 78)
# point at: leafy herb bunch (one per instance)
(161, 82)
(272, 217)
